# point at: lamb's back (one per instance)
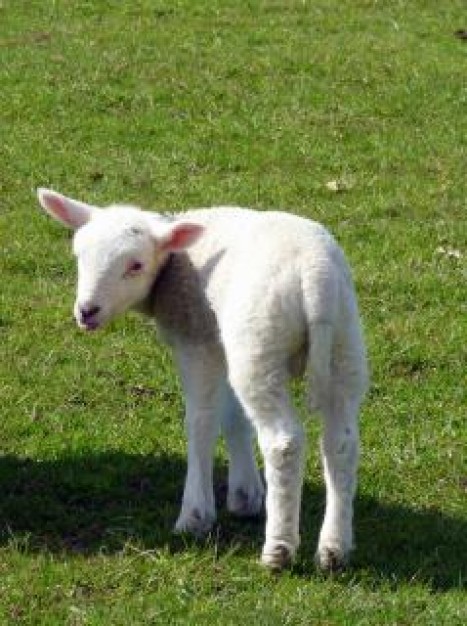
(242, 257)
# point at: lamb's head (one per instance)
(119, 252)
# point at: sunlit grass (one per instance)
(350, 113)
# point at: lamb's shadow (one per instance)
(100, 502)
(396, 543)
(86, 503)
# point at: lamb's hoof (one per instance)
(332, 558)
(245, 502)
(277, 557)
(195, 523)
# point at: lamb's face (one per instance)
(119, 251)
(118, 260)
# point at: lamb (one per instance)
(246, 300)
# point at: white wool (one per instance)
(246, 300)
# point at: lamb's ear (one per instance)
(178, 236)
(69, 212)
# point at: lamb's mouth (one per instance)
(91, 325)
(88, 325)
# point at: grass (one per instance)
(259, 103)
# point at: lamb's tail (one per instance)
(320, 341)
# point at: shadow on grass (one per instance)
(90, 504)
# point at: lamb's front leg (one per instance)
(200, 379)
(245, 489)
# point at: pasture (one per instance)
(351, 113)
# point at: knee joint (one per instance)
(285, 449)
(343, 449)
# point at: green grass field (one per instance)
(353, 113)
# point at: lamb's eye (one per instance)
(134, 267)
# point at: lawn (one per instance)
(352, 113)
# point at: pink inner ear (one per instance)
(182, 236)
(57, 207)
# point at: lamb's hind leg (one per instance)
(262, 391)
(282, 443)
(340, 450)
(337, 386)
(245, 487)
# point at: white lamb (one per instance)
(246, 300)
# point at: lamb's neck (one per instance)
(178, 302)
